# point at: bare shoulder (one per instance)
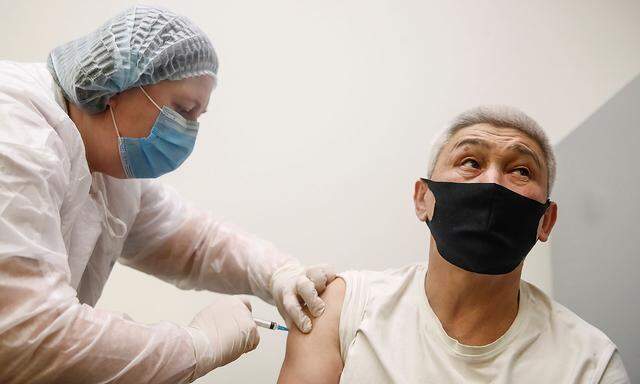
(314, 358)
(329, 323)
(333, 297)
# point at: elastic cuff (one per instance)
(202, 353)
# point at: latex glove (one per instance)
(293, 286)
(222, 332)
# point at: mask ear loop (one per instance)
(149, 97)
(124, 166)
(546, 206)
(426, 218)
(113, 118)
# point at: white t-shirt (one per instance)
(389, 334)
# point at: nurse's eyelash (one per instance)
(182, 110)
(180, 107)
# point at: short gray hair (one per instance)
(501, 116)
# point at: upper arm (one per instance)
(162, 212)
(32, 190)
(314, 358)
(163, 234)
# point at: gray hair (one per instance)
(497, 116)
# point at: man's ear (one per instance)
(547, 222)
(423, 200)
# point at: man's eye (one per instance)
(523, 171)
(471, 163)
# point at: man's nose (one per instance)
(491, 175)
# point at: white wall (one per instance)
(324, 111)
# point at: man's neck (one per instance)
(474, 309)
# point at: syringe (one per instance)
(270, 325)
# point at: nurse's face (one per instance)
(135, 114)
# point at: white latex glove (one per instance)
(194, 250)
(222, 332)
(293, 286)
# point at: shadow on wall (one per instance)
(595, 248)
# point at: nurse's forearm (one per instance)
(212, 255)
(46, 336)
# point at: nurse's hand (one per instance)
(222, 332)
(293, 286)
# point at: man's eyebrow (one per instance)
(471, 141)
(524, 150)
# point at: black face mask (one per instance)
(483, 227)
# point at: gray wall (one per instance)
(595, 256)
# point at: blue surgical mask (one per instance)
(168, 145)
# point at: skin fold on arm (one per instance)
(314, 358)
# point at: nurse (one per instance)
(82, 139)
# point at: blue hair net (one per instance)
(141, 46)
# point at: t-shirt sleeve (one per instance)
(353, 308)
(615, 373)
